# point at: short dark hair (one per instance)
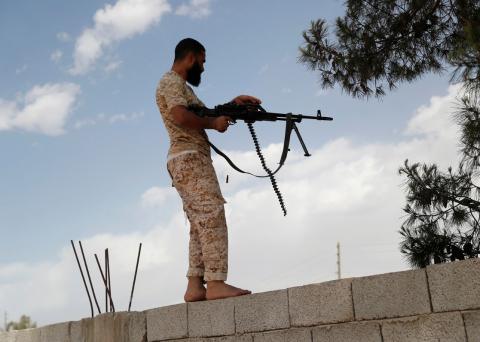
(188, 45)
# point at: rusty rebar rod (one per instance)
(105, 283)
(89, 278)
(135, 276)
(107, 274)
(106, 293)
(83, 277)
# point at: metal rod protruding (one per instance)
(106, 293)
(107, 275)
(135, 276)
(83, 277)
(89, 279)
(105, 283)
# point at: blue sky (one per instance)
(83, 147)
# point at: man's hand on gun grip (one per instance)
(221, 123)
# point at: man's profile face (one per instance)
(194, 73)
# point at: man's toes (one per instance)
(241, 292)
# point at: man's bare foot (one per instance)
(218, 289)
(195, 290)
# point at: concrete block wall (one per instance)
(438, 303)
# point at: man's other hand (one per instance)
(246, 99)
(221, 123)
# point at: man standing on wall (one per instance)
(190, 166)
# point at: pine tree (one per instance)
(443, 208)
(379, 44)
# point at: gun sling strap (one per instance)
(289, 125)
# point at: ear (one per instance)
(190, 59)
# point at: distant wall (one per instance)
(439, 303)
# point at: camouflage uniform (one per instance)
(190, 166)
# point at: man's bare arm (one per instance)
(183, 117)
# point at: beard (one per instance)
(194, 75)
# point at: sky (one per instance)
(83, 152)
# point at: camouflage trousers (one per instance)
(194, 178)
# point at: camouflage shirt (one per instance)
(172, 90)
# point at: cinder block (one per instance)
(108, 327)
(391, 295)
(455, 285)
(211, 318)
(103, 330)
(446, 327)
(7, 336)
(239, 338)
(262, 311)
(28, 335)
(234, 338)
(121, 324)
(472, 325)
(348, 332)
(288, 335)
(59, 332)
(77, 332)
(316, 304)
(167, 322)
(137, 327)
(88, 329)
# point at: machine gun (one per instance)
(254, 112)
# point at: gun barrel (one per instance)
(300, 117)
(253, 113)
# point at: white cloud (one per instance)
(91, 121)
(112, 66)
(195, 9)
(156, 196)
(264, 69)
(63, 37)
(345, 192)
(102, 117)
(85, 122)
(426, 121)
(56, 56)
(114, 23)
(21, 69)
(43, 109)
(59, 282)
(125, 117)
